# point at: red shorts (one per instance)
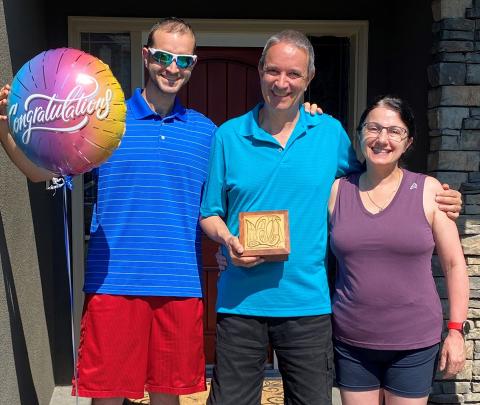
(131, 344)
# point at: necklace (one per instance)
(380, 207)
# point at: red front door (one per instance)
(224, 84)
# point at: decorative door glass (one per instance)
(115, 50)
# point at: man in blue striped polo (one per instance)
(142, 324)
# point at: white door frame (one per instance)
(210, 32)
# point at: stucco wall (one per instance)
(26, 371)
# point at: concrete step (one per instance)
(62, 396)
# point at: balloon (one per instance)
(66, 111)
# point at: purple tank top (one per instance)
(385, 296)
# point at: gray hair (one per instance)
(296, 38)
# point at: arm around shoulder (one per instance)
(333, 196)
(449, 201)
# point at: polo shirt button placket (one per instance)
(161, 137)
(280, 149)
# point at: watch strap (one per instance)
(462, 327)
(455, 325)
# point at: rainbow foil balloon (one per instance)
(66, 111)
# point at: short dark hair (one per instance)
(170, 24)
(395, 104)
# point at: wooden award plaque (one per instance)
(266, 234)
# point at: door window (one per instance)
(115, 51)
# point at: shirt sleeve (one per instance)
(347, 160)
(214, 201)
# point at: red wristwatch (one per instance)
(462, 327)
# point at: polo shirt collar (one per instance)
(251, 126)
(178, 110)
(141, 110)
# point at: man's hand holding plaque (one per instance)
(265, 234)
(236, 250)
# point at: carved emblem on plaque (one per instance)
(265, 233)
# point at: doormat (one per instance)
(272, 393)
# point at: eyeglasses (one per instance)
(394, 133)
(166, 58)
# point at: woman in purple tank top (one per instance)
(387, 317)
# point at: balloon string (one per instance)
(58, 182)
(70, 288)
(55, 183)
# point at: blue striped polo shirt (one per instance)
(145, 237)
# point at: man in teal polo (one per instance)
(275, 157)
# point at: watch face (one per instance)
(466, 327)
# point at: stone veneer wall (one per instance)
(454, 122)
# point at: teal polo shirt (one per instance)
(250, 171)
